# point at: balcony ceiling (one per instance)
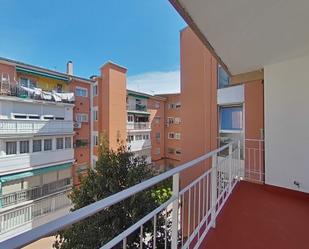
(248, 34)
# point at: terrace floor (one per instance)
(261, 217)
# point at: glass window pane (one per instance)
(47, 144)
(59, 143)
(37, 145)
(24, 147)
(11, 148)
(231, 118)
(223, 78)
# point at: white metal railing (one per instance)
(13, 218)
(13, 126)
(138, 126)
(188, 214)
(34, 193)
(254, 169)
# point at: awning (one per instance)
(16, 176)
(138, 96)
(42, 74)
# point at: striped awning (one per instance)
(17, 176)
(42, 74)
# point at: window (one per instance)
(158, 135)
(158, 151)
(95, 90)
(59, 118)
(157, 105)
(178, 152)
(48, 144)
(130, 138)
(171, 135)
(170, 120)
(177, 120)
(177, 135)
(48, 117)
(177, 105)
(68, 143)
(146, 137)
(59, 143)
(30, 83)
(23, 147)
(81, 92)
(171, 106)
(36, 145)
(81, 143)
(11, 148)
(157, 120)
(130, 118)
(95, 115)
(95, 140)
(34, 117)
(20, 116)
(231, 118)
(170, 150)
(138, 137)
(223, 77)
(81, 117)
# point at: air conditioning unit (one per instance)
(77, 125)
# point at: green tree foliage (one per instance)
(114, 172)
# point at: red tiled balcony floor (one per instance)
(261, 217)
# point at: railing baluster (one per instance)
(141, 238)
(175, 206)
(213, 190)
(230, 167)
(155, 231)
(124, 243)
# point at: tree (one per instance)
(114, 172)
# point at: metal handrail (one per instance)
(54, 226)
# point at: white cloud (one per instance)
(155, 82)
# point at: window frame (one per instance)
(78, 88)
(33, 145)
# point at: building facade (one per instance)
(51, 124)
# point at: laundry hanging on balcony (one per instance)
(63, 96)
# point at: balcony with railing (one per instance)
(215, 210)
(33, 213)
(34, 193)
(39, 127)
(34, 93)
(138, 126)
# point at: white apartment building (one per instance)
(138, 125)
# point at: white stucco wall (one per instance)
(287, 123)
(230, 95)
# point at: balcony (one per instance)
(33, 213)
(38, 127)
(21, 162)
(261, 216)
(215, 205)
(21, 92)
(34, 193)
(138, 126)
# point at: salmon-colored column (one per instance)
(254, 128)
(198, 102)
(112, 103)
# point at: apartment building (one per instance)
(50, 128)
(44, 126)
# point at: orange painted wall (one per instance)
(10, 70)
(172, 143)
(156, 112)
(199, 102)
(113, 103)
(254, 109)
(82, 105)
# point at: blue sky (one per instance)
(142, 35)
